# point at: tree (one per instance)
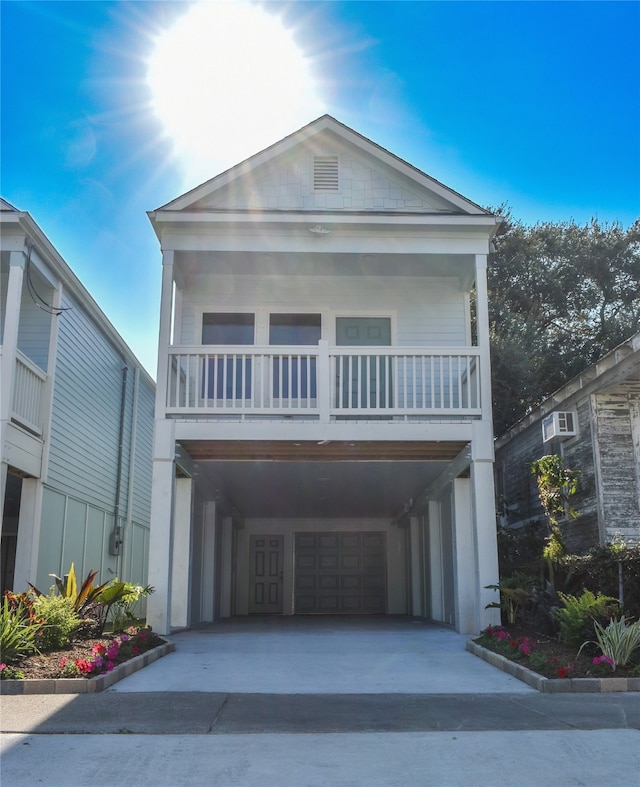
(561, 295)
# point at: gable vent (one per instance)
(325, 173)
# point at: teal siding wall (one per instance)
(79, 505)
(73, 531)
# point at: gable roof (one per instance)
(429, 195)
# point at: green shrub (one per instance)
(123, 610)
(60, 620)
(580, 613)
(599, 571)
(19, 628)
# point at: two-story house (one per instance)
(76, 423)
(323, 437)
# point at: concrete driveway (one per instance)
(309, 702)
(322, 655)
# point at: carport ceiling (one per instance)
(317, 489)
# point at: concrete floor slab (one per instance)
(322, 655)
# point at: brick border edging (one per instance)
(552, 685)
(86, 685)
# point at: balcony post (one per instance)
(324, 382)
(164, 338)
(9, 349)
(482, 319)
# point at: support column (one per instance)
(161, 533)
(181, 563)
(416, 568)
(227, 568)
(164, 336)
(435, 562)
(482, 325)
(9, 349)
(208, 571)
(485, 528)
(26, 563)
(465, 584)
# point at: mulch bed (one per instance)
(42, 666)
(560, 660)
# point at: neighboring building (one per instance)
(76, 423)
(323, 439)
(593, 422)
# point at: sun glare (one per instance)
(228, 80)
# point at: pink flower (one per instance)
(109, 665)
(562, 672)
(124, 638)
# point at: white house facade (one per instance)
(76, 423)
(323, 436)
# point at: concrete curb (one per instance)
(86, 685)
(552, 685)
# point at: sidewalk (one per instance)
(336, 702)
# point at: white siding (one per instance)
(365, 184)
(424, 311)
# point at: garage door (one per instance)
(340, 573)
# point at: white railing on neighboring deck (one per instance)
(28, 393)
(323, 382)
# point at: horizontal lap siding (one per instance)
(141, 498)
(287, 183)
(86, 411)
(430, 311)
(518, 490)
(83, 460)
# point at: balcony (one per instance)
(323, 383)
(28, 394)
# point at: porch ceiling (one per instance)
(310, 480)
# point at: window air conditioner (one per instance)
(558, 425)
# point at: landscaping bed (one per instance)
(552, 659)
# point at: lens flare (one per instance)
(227, 80)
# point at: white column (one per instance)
(9, 348)
(26, 565)
(416, 568)
(181, 562)
(161, 533)
(482, 324)
(323, 383)
(164, 337)
(208, 571)
(485, 530)
(465, 583)
(227, 568)
(435, 562)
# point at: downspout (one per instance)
(115, 541)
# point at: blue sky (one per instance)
(532, 104)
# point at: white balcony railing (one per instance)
(28, 393)
(323, 382)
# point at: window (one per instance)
(223, 328)
(325, 173)
(295, 376)
(227, 378)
